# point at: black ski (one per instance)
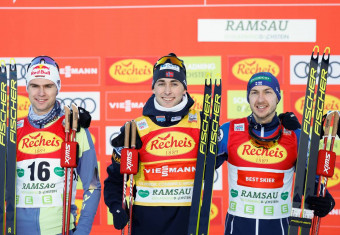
(210, 161)
(303, 216)
(11, 172)
(3, 141)
(315, 138)
(195, 208)
(295, 219)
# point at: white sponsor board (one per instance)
(256, 30)
(299, 69)
(87, 100)
(110, 133)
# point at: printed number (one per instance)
(43, 171)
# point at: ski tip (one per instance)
(2, 66)
(327, 51)
(208, 79)
(218, 79)
(316, 50)
(12, 64)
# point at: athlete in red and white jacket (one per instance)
(261, 151)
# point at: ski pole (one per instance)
(327, 162)
(69, 160)
(126, 145)
(134, 169)
(129, 166)
(67, 132)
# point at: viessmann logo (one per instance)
(245, 68)
(182, 170)
(261, 155)
(68, 71)
(170, 143)
(131, 70)
(331, 103)
(127, 105)
(40, 143)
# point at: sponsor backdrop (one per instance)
(106, 50)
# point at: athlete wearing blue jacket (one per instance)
(261, 152)
(41, 181)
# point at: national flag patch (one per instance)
(160, 118)
(239, 127)
(169, 74)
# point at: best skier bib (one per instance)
(167, 161)
(260, 180)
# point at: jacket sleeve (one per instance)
(88, 172)
(113, 184)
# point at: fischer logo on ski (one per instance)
(199, 219)
(3, 141)
(11, 149)
(301, 215)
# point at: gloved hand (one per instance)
(289, 121)
(321, 205)
(120, 217)
(84, 118)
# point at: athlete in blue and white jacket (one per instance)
(40, 179)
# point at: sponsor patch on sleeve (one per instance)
(239, 127)
(220, 135)
(20, 123)
(192, 117)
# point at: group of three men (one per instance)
(168, 113)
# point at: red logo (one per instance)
(40, 70)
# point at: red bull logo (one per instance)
(40, 70)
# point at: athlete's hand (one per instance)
(321, 205)
(120, 217)
(289, 121)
